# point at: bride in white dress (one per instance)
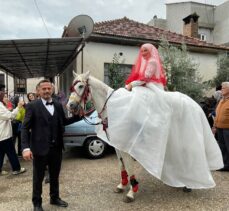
(166, 132)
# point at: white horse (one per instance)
(170, 136)
(86, 89)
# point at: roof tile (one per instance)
(127, 28)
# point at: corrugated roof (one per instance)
(31, 58)
(130, 29)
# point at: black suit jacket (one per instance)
(35, 128)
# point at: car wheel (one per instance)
(95, 148)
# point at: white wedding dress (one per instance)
(166, 132)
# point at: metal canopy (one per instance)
(32, 58)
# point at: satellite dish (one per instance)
(80, 26)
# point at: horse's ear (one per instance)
(86, 75)
(74, 74)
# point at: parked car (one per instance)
(82, 134)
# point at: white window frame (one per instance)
(203, 37)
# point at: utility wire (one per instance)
(42, 18)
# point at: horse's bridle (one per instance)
(84, 96)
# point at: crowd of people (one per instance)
(216, 110)
(221, 123)
(38, 125)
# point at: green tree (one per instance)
(181, 71)
(222, 70)
(116, 75)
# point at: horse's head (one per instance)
(80, 94)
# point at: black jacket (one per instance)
(35, 129)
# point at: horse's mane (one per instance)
(98, 82)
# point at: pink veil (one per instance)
(138, 70)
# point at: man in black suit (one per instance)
(42, 142)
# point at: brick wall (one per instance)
(191, 29)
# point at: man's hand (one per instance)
(77, 112)
(81, 112)
(213, 130)
(27, 155)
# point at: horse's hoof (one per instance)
(127, 199)
(187, 190)
(118, 190)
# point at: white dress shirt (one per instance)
(50, 108)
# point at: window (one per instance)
(124, 68)
(20, 85)
(203, 37)
(2, 79)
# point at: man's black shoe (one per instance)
(58, 202)
(39, 208)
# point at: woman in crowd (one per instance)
(8, 103)
(31, 96)
(6, 142)
(17, 123)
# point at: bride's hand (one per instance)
(129, 87)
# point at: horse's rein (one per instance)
(105, 104)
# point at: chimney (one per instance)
(190, 27)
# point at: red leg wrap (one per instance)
(124, 176)
(134, 184)
(135, 188)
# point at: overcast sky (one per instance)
(20, 19)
